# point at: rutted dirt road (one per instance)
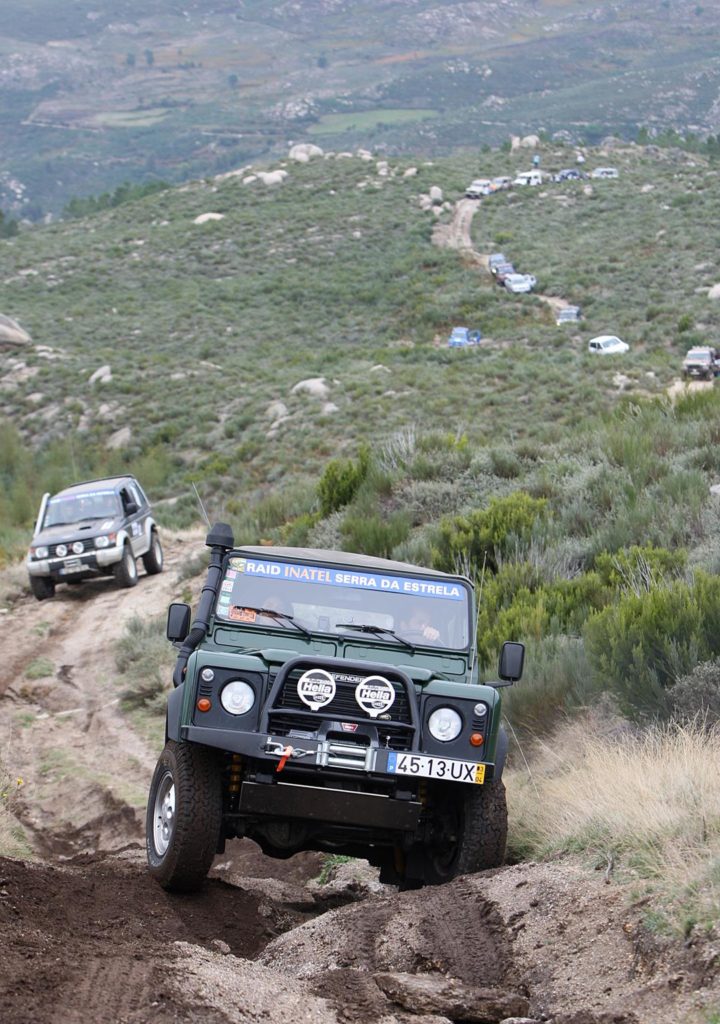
(88, 937)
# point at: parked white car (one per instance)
(519, 283)
(605, 172)
(607, 345)
(529, 178)
(568, 315)
(479, 188)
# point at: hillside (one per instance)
(97, 93)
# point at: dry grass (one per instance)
(646, 803)
(12, 838)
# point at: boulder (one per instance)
(436, 194)
(329, 409)
(103, 375)
(11, 333)
(205, 217)
(313, 386)
(120, 439)
(276, 411)
(304, 152)
(436, 993)
(410, 172)
(530, 141)
(272, 177)
(714, 292)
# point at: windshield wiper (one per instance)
(363, 627)
(273, 614)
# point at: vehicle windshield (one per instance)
(698, 353)
(416, 610)
(63, 509)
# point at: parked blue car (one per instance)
(461, 337)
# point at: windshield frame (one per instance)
(63, 499)
(331, 594)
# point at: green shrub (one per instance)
(375, 534)
(341, 480)
(696, 696)
(557, 679)
(144, 658)
(644, 643)
(478, 539)
(639, 568)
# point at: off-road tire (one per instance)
(477, 820)
(194, 833)
(125, 571)
(42, 587)
(153, 560)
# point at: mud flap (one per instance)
(174, 712)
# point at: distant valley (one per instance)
(95, 93)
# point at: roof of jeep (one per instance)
(344, 558)
(109, 482)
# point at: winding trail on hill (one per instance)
(457, 235)
(87, 935)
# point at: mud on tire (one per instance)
(184, 815)
(469, 834)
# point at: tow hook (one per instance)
(284, 752)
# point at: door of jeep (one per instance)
(136, 512)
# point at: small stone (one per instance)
(221, 947)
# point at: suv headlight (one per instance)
(102, 542)
(237, 697)
(61, 550)
(445, 724)
(40, 552)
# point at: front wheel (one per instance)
(42, 587)
(153, 560)
(125, 571)
(184, 816)
(468, 833)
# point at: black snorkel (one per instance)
(220, 540)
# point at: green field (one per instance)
(367, 120)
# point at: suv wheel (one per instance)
(153, 560)
(42, 587)
(184, 816)
(125, 572)
(470, 833)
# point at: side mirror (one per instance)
(512, 659)
(178, 622)
(131, 507)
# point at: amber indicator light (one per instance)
(476, 739)
(204, 704)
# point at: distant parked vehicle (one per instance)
(605, 172)
(529, 178)
(701, 362)
(570, 174)
(519, 283)
(501, 271)
(495, 259)
(568, 315)
(607, 345)
(501, 183)
(479, 188)
(462, 337)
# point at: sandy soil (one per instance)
(87, 936)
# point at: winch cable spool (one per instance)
(220, 540)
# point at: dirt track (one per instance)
(88, 937)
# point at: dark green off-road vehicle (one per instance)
(330, 701)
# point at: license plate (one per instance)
(424, 766)
(74, 566)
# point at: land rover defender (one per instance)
(330, 701)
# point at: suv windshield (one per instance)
(422, 610)
(73, 508)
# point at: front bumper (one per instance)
(88, 563)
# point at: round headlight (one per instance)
(78, 547)
(237, 697)
(102, 542)
(207, 675)
(445, 724)
(41, 552)
(61, 550)
(480, 710)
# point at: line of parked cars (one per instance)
(505, 274)
(481, 187)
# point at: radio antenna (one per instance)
(202, 507)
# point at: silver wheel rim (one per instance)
(164, 814)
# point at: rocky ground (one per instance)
(87, 936)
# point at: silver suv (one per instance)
(99, 527)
